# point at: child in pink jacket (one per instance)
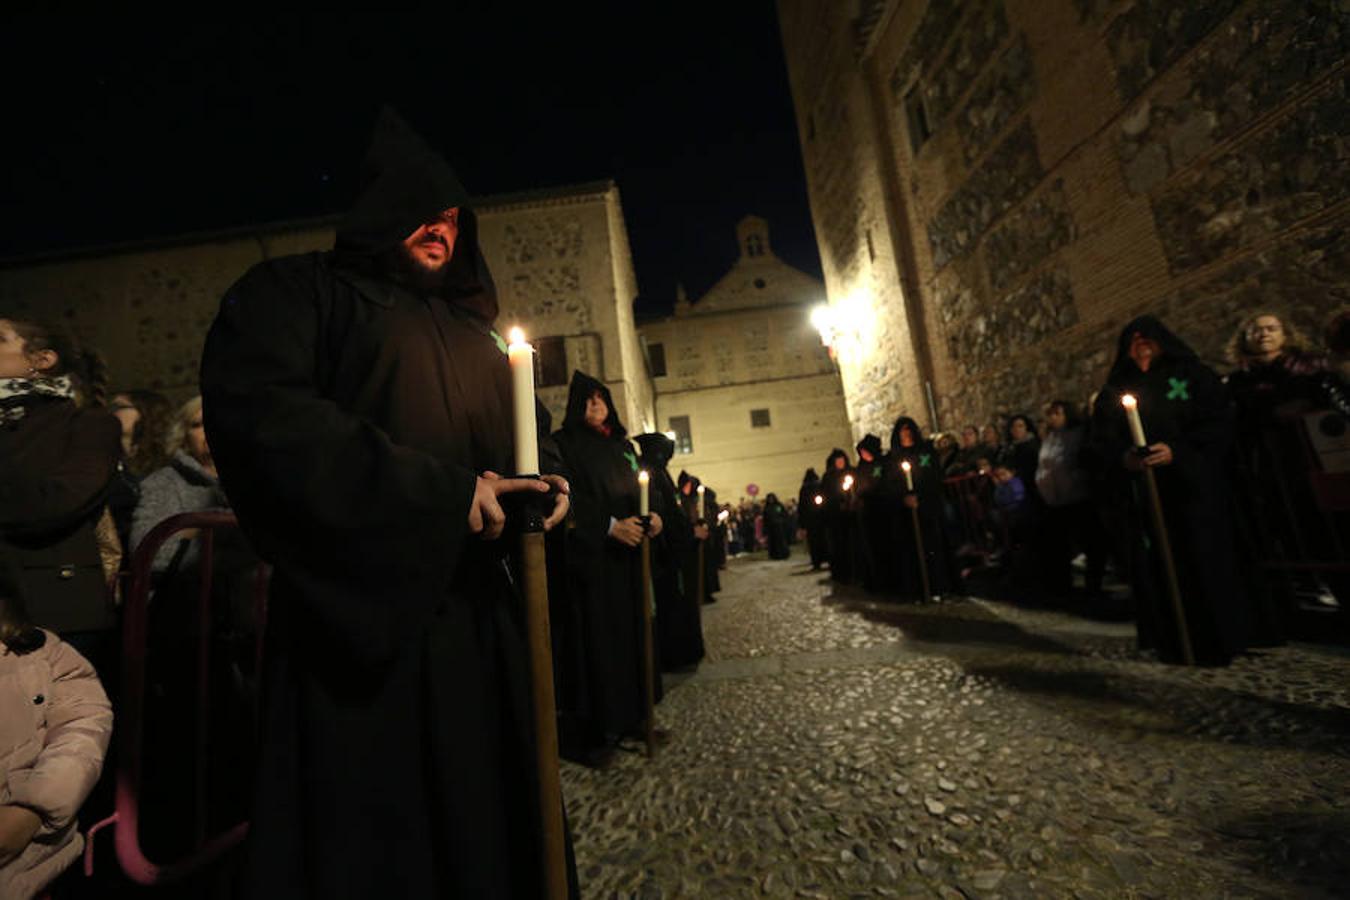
(55, 722)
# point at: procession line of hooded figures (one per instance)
(861, 518)
(358, 403)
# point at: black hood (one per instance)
(686, 478)
(836, 453)
(1173, 347)
(405, 183)
(583, 386)
(657, 449)
(810, 477)
(872, 444)
(914, 426)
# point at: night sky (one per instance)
(118, 131)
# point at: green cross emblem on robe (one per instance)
(501, 344)
(632, 459)
(1180, 389)
(876, 471)
(924, 459)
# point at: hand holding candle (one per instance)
(521, 357)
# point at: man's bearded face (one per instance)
(433, 243)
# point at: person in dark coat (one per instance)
(836, 486)
(1187, 419)
(59, 453)
(679, 620)
(811, 519)
(776, 527)
(715, 559)
(358, 407)
(908, 445)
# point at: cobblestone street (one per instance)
(833, 746)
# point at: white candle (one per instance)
(848, 482)
(521, 356)
(643, 508)
(1132, 414)
(909, 476)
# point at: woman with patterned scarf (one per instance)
(58, 453)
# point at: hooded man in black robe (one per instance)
(1188, 422)
(358, 405)
(871, 517)
(909, 445)
(679, 621)
(776, 527)
(836, 486)
(687, 488)
(811, 519)
(604, 574)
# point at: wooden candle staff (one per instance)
(1159, 527)
(647, 601)
(535, 577)
(918, 533)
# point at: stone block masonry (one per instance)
(1082, 162)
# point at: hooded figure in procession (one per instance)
(909, 445)
(687, 489)
(776, 527)
(678, 617)
(1188, 423)
(358, 406)
(836, 486)
(811, 519)
(870, 517)
(604, 574)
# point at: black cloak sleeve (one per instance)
(311, 481)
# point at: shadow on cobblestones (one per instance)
(1310, 848)
(944, 624)
(1116, 699)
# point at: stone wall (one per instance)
(1085, 161)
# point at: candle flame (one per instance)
(516, 335)
(1128, 401)
(848, 482)
(643, 476)
(700, 490)
(819, 500)
(905, 465)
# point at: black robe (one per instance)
(837, 513)
(715, 556)
(349, 418)
(811, 519)
(905, 577)
(604, 579)
(871, 517)
(1182, 404)
(776, 528)
(695, 578)
(678, 617)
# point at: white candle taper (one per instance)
(643, 508)
(1132, 415)
(521, 356)
(909, 475)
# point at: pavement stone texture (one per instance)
(832, 745)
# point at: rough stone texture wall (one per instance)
(1090, 160)
(857, 231)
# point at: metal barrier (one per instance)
(130, 730)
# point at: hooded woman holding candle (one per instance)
(679, 625)
(1185, 417)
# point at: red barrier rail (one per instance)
(130, 731)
